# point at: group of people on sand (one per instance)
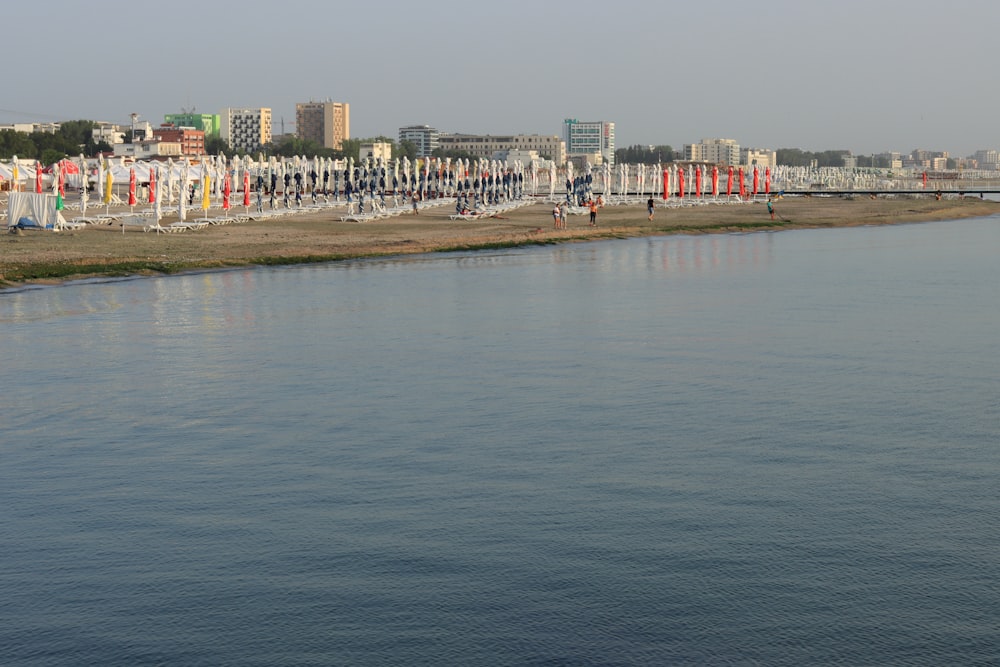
(559, 212)
(651, 208)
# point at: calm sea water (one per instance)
(773, 449)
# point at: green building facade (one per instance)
(208, 122)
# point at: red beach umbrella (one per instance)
(680, 183)
(743, 187)
(246, 189)
(38, 178)
(925, 180)
(697, 180)
(666, 184)
(729, 183)
(226, 190)
(767, 180)
(715, 181)
(756, 181)
(152, 186)
(131, 186)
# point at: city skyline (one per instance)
(869, 78)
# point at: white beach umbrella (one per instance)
(185, 178)
(158, 195)
(84, 184)
(171, 181)
(100, 179)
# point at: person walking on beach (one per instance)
(556, 215)
(593, 212)
(563, 210)
(650, 206)
(770, 208)
(415, 201)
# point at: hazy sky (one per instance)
(866, 76)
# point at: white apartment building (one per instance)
(149, 149)
(487, 146)
(714, 151)
(29, 128)
(380, 150)
(583, 138)
(424, 137)
(109, 133)
(766, 158)
(245, 129)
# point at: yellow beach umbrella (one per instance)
(109, 179)
(206, 182)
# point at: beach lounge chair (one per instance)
(190, 224)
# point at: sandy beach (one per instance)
(314, 236)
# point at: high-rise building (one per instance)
(206, 122)
(424, 137)
(988, 159)
(590, 138)
(245, 129)
(326, 123)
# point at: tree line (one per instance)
(71, 139)
(644, 154)
(76, 136)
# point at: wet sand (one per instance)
(313, 236)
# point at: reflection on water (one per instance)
(720, 449)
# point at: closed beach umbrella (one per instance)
(729, 183)
(158, 198)
(15, 175)
(84, 184)
(715, 181)
(38, 177)
(109, 180)
(246, 189)
(680, 183)
(185, 182)
(57, 185)
(131, 186)
(743, 187)
(767, 180)
(206, 184)
(171, 177)
(697, 180)
(100, 180)
(666, 184)
(152, 186)
(755, 181)
(226, 191)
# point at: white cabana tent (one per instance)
(30, 210)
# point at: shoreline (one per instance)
(49, 258)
